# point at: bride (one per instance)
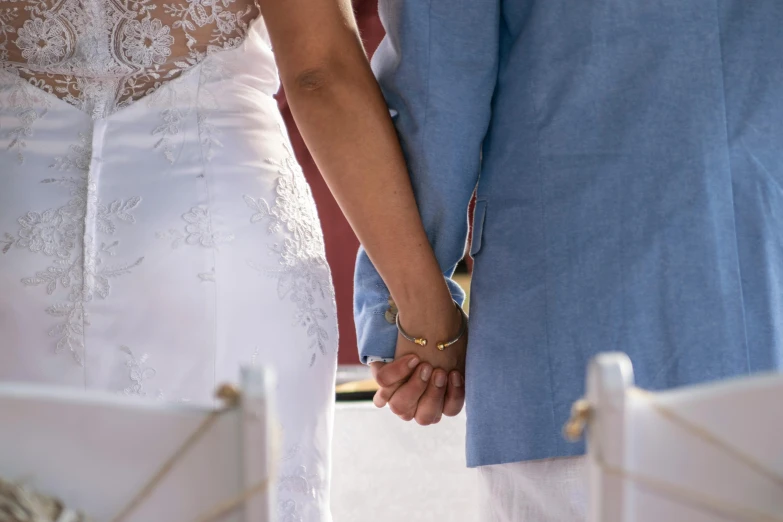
(156, 231)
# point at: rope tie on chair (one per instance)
(231, 399)
(582, 413)
(19, 504)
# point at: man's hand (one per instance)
(422, 383)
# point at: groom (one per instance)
(628, 165)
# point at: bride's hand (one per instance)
(424, 383)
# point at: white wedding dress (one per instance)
(156, 231)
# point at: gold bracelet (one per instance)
(421, 341)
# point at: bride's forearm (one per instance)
(343, 118)
(345, 122)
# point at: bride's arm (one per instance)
(345, 123)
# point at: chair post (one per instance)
(608, 378)
(258, 442)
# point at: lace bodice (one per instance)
(102, 55)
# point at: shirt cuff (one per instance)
(376, 332)
(371, 359)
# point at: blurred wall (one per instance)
(341, 243)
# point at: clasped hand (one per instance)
(422, 383)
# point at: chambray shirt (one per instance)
(628, 162)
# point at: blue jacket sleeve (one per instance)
(437, 68)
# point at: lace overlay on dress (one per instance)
(303, 275)
(102, 55)
(77, 271)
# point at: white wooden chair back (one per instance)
(697, 454)
(97, 453)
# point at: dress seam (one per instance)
(213, 252)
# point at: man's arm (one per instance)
(437, 68)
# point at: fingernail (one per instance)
(440, 380)
(425, 373)
(378, 401)
(456, 380)
(413, 363)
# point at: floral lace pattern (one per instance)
(304, 272)
(29, 105)
(296, 482)
(174, 102)
(288, 511)
(198, 231)
(301, 482)
(78, 267)
(60, 45)
(138, 373)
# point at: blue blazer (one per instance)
(628, 162)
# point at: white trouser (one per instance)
(540, 491)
